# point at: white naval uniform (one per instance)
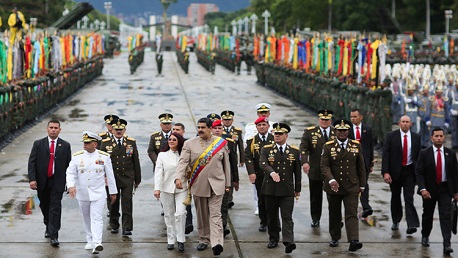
(86, 172)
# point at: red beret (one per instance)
(262, 119)
(217, 122)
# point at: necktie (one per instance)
(343, 146)
(51, 159)
(263, 138)
(404, 151)
(119, 143)
(166, 137)
(439, 167)
(325, 135)
(281, 150)
(358, 134)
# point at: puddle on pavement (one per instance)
(57, 117)
(73, 102)
(77, 113)
(6, 207)
(8, 175)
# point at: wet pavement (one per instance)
(140, 98)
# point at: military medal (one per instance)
(129, 150)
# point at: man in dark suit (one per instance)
(363, 134)
(48, 162)
(311, 148)
(126, 166)
(282, 182)
(252, 156)
(437, 182)
(398, 170)
(342, 165)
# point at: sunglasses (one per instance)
(173, 139)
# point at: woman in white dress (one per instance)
(171, 197)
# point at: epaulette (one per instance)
(102, 134)
(106, 140)
(330, 142)
(230, 139)
(249, 124)
(103, 153)
(268, 146)
(155, 133)
(78, 153)
(131, 139)
(294, 147)
(355, 141)
(251, 138)
(311, 128)
(238, 129)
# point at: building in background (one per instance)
(196, 13)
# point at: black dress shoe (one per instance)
(126, 233)
(188, 229)
(425, 241)
(334, 243)
(448, 249)
(411, 230)
(180, 247)
(230, 204)
(395, 226)
(162, 213)
(47, 235)
(114, 231)
(170, 247)
(201, 246)
(55, 242)
(263, 228)
(289, 248)
(355, 245)
(315, 224)
(108, 214)
(226, 232)
(272, 244)
(367, 213)
(217, 249)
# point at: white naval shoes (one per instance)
(88, 246)
(97, 248)
(256, 212)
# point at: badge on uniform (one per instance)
(100, 162)
(158, 143)
(129, 150)
(235, 137)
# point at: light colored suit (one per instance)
(86, 172)
(208, 189)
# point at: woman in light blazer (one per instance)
(171, 197)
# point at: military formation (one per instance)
(136, 52)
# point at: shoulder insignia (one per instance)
(102, 134)
(103, 153)
(311, 128)
(330, 142)
(229, 139)
(131, 139)
(249, 124)
(251, 138)
(106, 140)
(294, 147)
(155, 133)
(78, 153)
(238, 129)
(268, 146)
(355, 141)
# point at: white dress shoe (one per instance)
(88, 246)
(97, 248)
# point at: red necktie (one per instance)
(439, 167)
(358, 134)
(404, 151)
(51, 159)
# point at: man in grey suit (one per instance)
(210, 178)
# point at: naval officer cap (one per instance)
(119, 124)
(109, 118)
(90, 137)
(213, 116)
(281, 128)
(325, 114)
(263, 107)
(227, 114)
(165, 118)
(342, 125)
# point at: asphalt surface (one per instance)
(140, 98)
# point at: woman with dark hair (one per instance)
(171, 197)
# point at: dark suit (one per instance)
(127, 171)
(280, 195)
(346, 166)
(311, 148)
(367, 146)
(402, 176)
(252, 156)
(232, 147)
(50, 189)
(440, 193)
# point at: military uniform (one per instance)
(438, 111)
(126, 166)
(410, 109)
(159, 139)
(344, 165)
(453, 98)
(159, 61)
(424, 131)
(250, 128)
(282, 161)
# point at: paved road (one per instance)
(140, 98)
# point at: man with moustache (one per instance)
(158, 139)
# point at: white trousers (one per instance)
(174, 215)
(92, 218)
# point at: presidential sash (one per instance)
(205, 158)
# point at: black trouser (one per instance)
(316, 198)
(125, 197)
(443, 199)
(285, 204)
(365, 195)
(261, 201)
(51, 207)
(350, 202)
(188, 215)
(405, 182)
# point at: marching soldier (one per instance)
(126, 166)
(423, 101)
(158, 139)
(438, 110)
(109, 132)
(282, 183)
(159, 61)
(311, 148)
(410, 105)
(262, 109)
(453, 96)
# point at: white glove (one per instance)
(454, 112)
(428, 123)
(446, 125)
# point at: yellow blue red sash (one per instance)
(205, 157)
